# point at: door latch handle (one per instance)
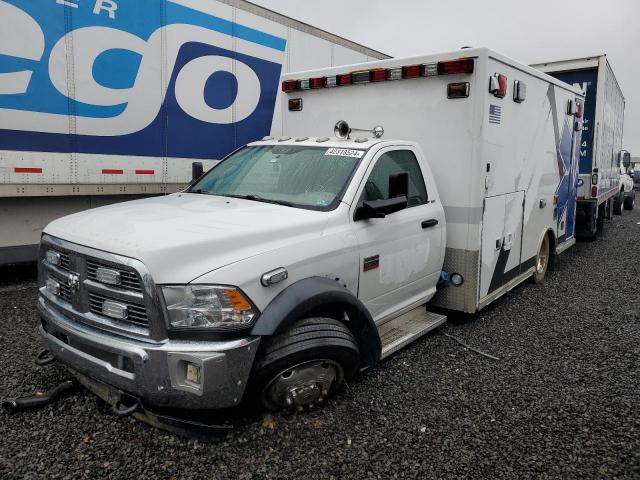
(429, 223)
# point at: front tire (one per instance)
(304, 365)
(542, 260)
(617, 203)
(630, 201)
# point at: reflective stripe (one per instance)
(145, 172)
(27, 170)
(108, 171)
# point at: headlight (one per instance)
(208, 307)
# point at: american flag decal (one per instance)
(495, 113)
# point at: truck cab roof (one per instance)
(356, 142)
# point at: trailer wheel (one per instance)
(602, 210)
(304, 365)
(617, 203)
(542, 260)
(630, 201)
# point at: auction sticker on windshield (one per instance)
(345, 152)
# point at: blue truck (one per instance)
(603, 162)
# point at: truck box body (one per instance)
(603, 128)
(506, 170)
(102, 100)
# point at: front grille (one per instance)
(129, 280)
(65, 292)
(64, 261)
(137, 314)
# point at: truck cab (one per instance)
(627, 196)
(287, 268)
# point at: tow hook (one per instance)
(13, 405)
(121, 409)
(44, 358)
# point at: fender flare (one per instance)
(312, 294)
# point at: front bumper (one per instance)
(154, 371)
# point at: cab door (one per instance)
(400, 254)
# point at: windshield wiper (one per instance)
(258, 198)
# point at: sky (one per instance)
(530, 32)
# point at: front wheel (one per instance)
(617, 203)
(542, 260)
(630, 201)
(304, 365)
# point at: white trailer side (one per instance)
(505, 170)
(100, 105)
(601, 145)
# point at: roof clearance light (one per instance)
(519, 91)
(378, 75)
(304, 84)
(411, 71)
(498, 85)
(330, 81)
(317, 82)
(462, 65)
(394, 73)
(344, 79)
(429, 69)
(289, 85)
(360, 77)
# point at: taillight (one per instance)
(594, 191)
(411, 71)
(498, 85)
(289, 85)
(580, 111)
(429, 69)
(304, 84)
(344, 79)
(317, 82)
(331, 81)
(394, 73)
(462, 65)
(360, 77)
(378, 75)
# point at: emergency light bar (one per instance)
(359, 77)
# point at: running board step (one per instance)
(406, 328)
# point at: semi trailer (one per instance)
(601, 189)
(105, 101)
(305, 257)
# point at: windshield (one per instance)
(299, 176)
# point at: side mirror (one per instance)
(399, 184)
(196, 171)
(381, 208)
(626, 158)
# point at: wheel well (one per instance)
(352, 318)
(552, 241)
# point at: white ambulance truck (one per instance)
(307, 256)
(106, 101)
(602, 160)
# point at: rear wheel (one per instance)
(630, 201)
(542, 260)
(304, 365)
(617, 203)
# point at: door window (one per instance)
(395, 161)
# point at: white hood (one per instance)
(183, 236)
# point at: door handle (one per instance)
(429, 223)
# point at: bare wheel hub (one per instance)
(303, 385)
(543, 255)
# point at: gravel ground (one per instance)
(562, 401)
